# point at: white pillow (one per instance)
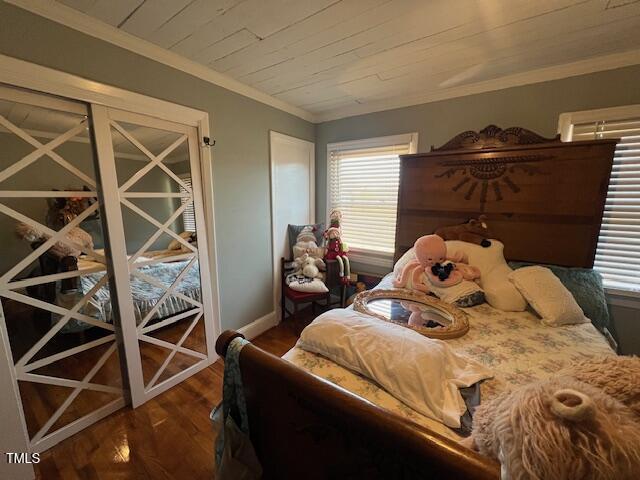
(421, 372)
(462, 292)
(548, 296)
(499, 292)
(301, 283)
(403, 260)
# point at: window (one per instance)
(618, 252)
(189, 214)
(363, 184)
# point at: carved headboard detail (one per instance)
(494, 137)
(544, 198)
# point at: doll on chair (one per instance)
(336, 248)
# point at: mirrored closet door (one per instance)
(105, 291)
(57, 309)
(151, 181)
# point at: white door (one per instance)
(150, 171)
(292, 195)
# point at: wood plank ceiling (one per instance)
(326, 56)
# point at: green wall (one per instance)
(535, 107)
(45, 174)
(241, 127)
(240, 158)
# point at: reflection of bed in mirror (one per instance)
(155, 271)
(162, 269)
(67, 209)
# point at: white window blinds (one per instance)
(189, 214)
(363, 184)
(618, 253)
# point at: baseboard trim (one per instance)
(259, 326)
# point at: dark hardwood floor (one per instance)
(169, 437)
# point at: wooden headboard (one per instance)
(544, 198)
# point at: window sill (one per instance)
(377, 259)
(624, 298)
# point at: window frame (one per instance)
(566, 122)
(186, 177)
(366, 256)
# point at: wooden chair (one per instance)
(295, 297)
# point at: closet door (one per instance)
(56, 314)
(150, 171)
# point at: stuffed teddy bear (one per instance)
(474, 231)
(309, 266)
(336, 248)
(433, 266)
(566, 428)
(618, 376)
(307, 255)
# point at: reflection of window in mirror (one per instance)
(189, 215)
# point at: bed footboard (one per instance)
(305, 427)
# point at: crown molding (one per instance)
(556, 72)
(71, 18)
(76, 20)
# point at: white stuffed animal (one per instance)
(306, 243)
(309, 266)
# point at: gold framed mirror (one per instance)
(423, 313)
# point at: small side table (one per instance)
(332, 281)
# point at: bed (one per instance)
(144, 295)
(310, 417)
(161, 266)
(514, 345)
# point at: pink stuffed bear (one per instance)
(431, 251)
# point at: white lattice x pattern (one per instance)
(65, 355)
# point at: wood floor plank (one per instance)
(169, 437)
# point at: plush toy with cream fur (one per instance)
(583, 424)
(618, 376)
(307, 255)
(309, 266)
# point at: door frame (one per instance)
(23, 74)
(312, 206)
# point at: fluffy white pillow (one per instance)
(548, 296)
(499, 292)
(304, 284)
(421, 372)
(463, 294)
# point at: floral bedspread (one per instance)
(516, 346)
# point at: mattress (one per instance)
(516, 346)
